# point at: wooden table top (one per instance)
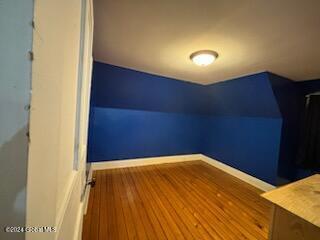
(301, 198)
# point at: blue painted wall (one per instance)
(118, 87)
(287, 95)
(135, 114)
(246, 143)
(125, 134)
(308, 87)
(249, 123)
(249, 96)
(245, 128)
(291, 100)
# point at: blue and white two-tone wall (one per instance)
(245, 122)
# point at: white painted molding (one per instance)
(66, 199)
(70, 226)
(144, 161)
(79, 223)
(183, 158)
(239, 174)
(87, 191)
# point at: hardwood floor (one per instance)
(189, 200)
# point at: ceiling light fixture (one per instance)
(203, 57)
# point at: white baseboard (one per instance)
(182, 158)
(239, 174)
(144, 161)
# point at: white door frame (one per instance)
(59, 117)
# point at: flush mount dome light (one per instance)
(203, 57)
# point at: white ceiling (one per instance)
(157, 36)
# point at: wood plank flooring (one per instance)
(189, 200)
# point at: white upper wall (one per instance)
(15, 85)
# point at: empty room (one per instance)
(149, 119)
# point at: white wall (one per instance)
(54, 186)
(15, 84)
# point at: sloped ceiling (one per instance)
(117, 87)
(280, 36)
